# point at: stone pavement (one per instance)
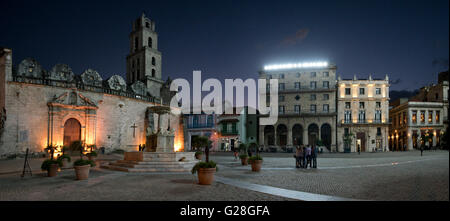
(9, 166)
(378, 176)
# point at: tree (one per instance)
(348, 138)
(255, 146)
(202, 142)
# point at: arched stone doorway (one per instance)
(282, 134)
(269, 135)
(325, 135)
(297, 134)
(313, 134)
(72, 131)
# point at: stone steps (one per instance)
(146, 169)
(153, 162)
(132, 165)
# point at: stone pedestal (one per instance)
(165, 143)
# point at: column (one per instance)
(261, 136)
(409, 139)
(305, 136)
(289, 135)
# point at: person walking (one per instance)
(314, 154)
(421, 150)
(359, 149)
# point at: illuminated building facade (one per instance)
(415, 123)
(306, 105)
(363, 113)
(56, 107)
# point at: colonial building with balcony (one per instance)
(200, 125)
(306, 106)
(414, 120)
(363, 113)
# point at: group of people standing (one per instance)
(306, 156)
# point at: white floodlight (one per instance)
(296, 65)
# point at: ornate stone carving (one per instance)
(139, 88)
(91, 77)
(62, 72)
(116, 82)
(30, 68)
(73, 98)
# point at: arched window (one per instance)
(153, 72)
(150, 42)
(153, 61)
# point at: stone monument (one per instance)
(159, 139)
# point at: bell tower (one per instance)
(144, 59)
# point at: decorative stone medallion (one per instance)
(117, 83)
(139, 88)
(91, 77)
(29, 67)
(62, 72)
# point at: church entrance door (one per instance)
(72, 131)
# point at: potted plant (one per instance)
(65, 159)
(198, 155)
(82, 168)
(205, 170)
(256, 162)
(92, 155)
(244, 157)
(51, 166)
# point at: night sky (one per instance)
(234, 39)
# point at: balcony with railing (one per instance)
(304, 89)
(229, 132)
(199, 126)
(306, 113)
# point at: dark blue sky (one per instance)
(229, 39)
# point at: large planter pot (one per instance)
(199, 156)
(256, 165)
(206, 175)
(244, 161)
(52, 170)
(82, 172)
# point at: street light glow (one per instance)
(296, 65)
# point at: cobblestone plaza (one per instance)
(369, 176)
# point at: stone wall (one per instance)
(27, 124)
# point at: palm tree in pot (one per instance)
(255, 161)
(244, 156)
(51, 165)
(81, 166)
(205, 169)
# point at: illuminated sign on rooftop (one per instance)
(296, 65)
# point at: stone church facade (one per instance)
(41, 107)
